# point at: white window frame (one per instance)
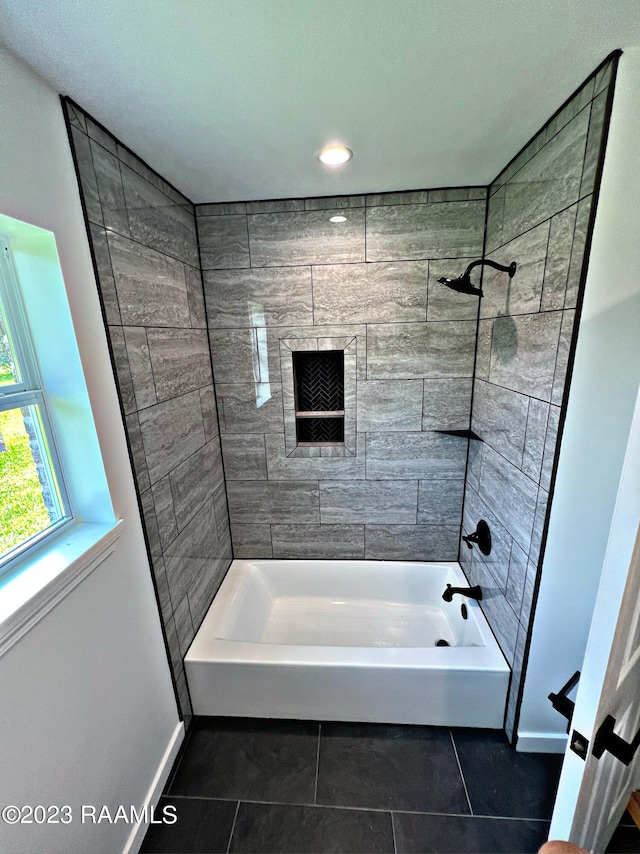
(48, 569)
(28, 392)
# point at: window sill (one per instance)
(50, 573)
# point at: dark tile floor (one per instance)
(259, 786)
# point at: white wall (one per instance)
(603, 392)
(87, 709)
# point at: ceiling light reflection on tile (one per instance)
(338, 219)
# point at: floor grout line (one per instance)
(464, 782)
(315, 789)
(233, 827)
(393, 831)
(358, 808)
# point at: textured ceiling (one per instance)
(233, 99)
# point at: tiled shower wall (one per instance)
(144, 243)
(280, 276)
(538, 216)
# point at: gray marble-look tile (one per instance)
(133, 162)
(407, 197)
(579, 101)
(283, 467)
(263, 502)
(158, 222)
(495, 219)
(521, 294)
(162, 587)
(350, 337)
(447, 404)
(123, 370)
(174, 647)
(308, 237)
(180, 360)
(577, 253)
(209, 413)
(76, 116)
(205, 586)
(183, 697)
(523, 352)
(250, 407)
(87, 173)
(369, 502)
(529, 588)
(500, 419)
(497, 610)
(195, 297)
(370, 293)
(186, 555)
(549, 182)
(412, 350)
(324, 203)
(140, 365)
(534, 438)
(457, 194)
(440, 502)
(442, 302)
(195, 480)
(151, 523)
(106, 282)
(221, 510)
(517, 578)
(550, 443)
(165, 514)
(184, 626)
(151, 287)
(409, 232)
(558, 258)
(389, 405)
(516, 680)
(109, 179)
(510, 494)
(235, 356)
(497, 561)
(273, 296)
(538, 525)
(415, 456)
(411, 542)
(251, 541)
(483, 349)
(244, 456)
(594, 143)
(171, 432)
(474, 463)
(275, 206)
(322, 542)
(221, 209)
(602, 78)
(134, 436)
(562, 360)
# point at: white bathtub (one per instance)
(346, 641)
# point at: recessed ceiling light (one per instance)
(338, 219)
(335, 155)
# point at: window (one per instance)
(56, 515)
(33, 499)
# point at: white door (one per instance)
(594, 792)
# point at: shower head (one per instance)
(463, 284)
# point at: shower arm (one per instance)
(510, 269)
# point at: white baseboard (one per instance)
(541, 742)
(155, 790)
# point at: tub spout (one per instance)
(471, 592)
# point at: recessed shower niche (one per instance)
(319, 387)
